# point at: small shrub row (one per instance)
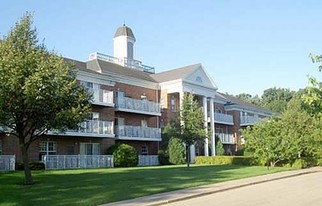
(32, 165)
(224, 160)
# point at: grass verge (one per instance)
(98, 186)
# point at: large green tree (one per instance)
(293, 135)
(276, 99)
(312, 95)
(38, 90)
(192, 127)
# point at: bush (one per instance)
(219, 148)
(299, 164)
(240, 152)
(176, 151)
(319, 162)
(32, 165)
(224, 160)
(304, 162)
(124, 156)
(163, 157)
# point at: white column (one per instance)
(212, 123)
(192, 153)
(205, 110)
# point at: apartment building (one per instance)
(232, 115)
(132, 103)
(125, 107)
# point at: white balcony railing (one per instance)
(102, 97)
(249, 120)
(94, 128)
(148, 160)
(138, 106)
(138, 133)
(226, 138)
(130, 63)
(104, 57)
(224, 118)
(7, 162)
(136, 64)
(77, 161)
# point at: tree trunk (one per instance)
(28, 178)
(188, 155)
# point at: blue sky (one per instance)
(245, 46)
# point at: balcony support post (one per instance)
(205, 111)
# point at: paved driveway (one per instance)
(303, 190)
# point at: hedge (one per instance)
(224, 160)
(32, 165)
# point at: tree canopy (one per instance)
(192, 126)
(38, 89)
(274, 99)
(293, 135)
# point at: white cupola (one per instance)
(123, 44)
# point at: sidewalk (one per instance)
(174, 196)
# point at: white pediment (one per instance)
(200, 77)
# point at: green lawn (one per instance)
(97, 186)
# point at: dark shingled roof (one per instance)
(124, 31)
(174, 74)
(231, 100)
(111, 68)
(78, 64)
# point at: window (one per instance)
(130, 50)
(95, 116)
(89, 148)
(172, 104)
(199, 79)
(144, 123)
(218, 110)
(89, 85)
(143, 97)
(119, 99)
(47, 148)
(144, 150)
(93, 88)
(219, 130)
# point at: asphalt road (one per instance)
(303, 190)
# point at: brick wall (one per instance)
(152, 146)
(65, 145)
(136, 92)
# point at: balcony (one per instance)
(226, 138)
(94, 128)
(126, 132)
(224, 118)
(102, 97)
(130, 63)
(136, 64)
(126, 104)
(249, 120)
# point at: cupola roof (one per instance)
(124, 31)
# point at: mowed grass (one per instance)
(98, 186)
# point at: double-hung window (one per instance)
(47, 148)
(89, 148)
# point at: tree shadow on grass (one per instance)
(98, 186)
